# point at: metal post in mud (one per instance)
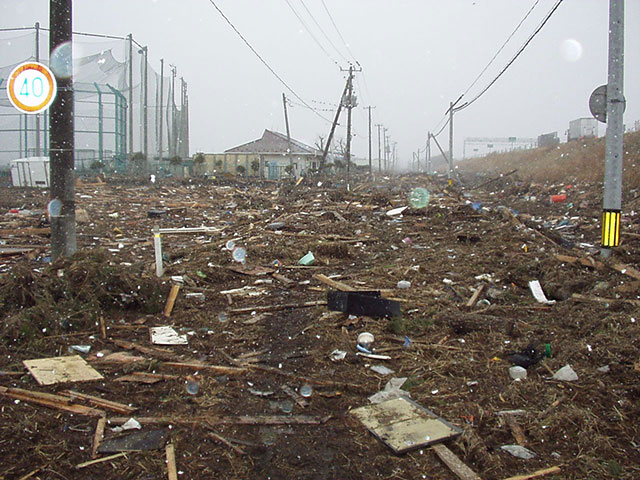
(612, 198)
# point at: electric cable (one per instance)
(311, 33)
(502, 47)
(264, 62)
(323, 32)
(339, 34)
(531, 37)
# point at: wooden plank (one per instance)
(97, 437)
(173, 294)
(101, 460)
(536, 474)
(171, 462)
(275, 308)
(145, 377)
(228, 420)
(51, 401)
(100, 402)
(49, 371)
(217, 369)
(454, 463)
(161, 353)
(586, 298)
(404, 425)
(343, 287)
(476, 295)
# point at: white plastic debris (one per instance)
(382, 370)
(391, 390)
(396, 211)
(518, 373)
(404, 284)
(538, 294)
(566, 374)
(131, 424)
(167, 336)
(337, 355)
(518, 451)
(604, 369)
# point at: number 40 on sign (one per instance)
(31, 87)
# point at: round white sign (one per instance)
(31, 87)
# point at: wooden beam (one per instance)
(343, 287)
(454, 463)
(536, 474)
(171, 462)
(173, 294)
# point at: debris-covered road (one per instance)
(263, 377)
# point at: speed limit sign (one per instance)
(31, 87)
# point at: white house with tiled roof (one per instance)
(267, 156)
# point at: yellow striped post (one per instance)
(610, 228)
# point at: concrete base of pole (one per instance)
(605, 252)
(63, 236)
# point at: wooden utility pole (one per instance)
(62, 208)
(333, 128)
(38, 152)
(370, 168)
(286, 121)
(428, 154)
(378, 125)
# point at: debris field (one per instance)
(261, 373)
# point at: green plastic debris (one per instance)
(307, 260)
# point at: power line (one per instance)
(265, 62)
(311, 33)
(339, 34)
(323, 32)
(502, 47)
(531, 37)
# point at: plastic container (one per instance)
(559, 198)
(307, 260)
(419, 198)
(404, 284)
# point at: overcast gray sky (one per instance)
(416, 56)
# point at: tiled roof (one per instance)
(274, 142)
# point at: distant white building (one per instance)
(482, 146)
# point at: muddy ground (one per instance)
(454, 356)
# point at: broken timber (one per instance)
(228, 420)
(454, 463)
(50, 400)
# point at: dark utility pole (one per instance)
(286, 121)
(38, 153)
(378, 125)
(369, 108)
(62, 207)
(612, 200)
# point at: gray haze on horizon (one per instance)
(416, 55)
